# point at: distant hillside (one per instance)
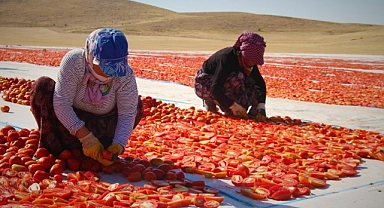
(83, 16)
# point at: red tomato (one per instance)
(46, 162)
(73, 163)
(159, 183)
(244, 169)
(107, 155)
(199, 201)
(237, 180)
(149, 176)
(349, 171)
(135, 176)
(12, 135)
(65, 154)
(56, 169)
(211, 204)
(58, 178)
(41, 152)
(9, 172)
(283, 194)
(40, 175)
(170, 175)
(15, 159)
(109, 199)
(93, 176)
(318, 183)
(6, 129)
(24, 174)
(165, 167)
(62, 193)
(34, 167)
(249, 181)
(289, 182)
(5, 108)
(107, 169)
(259, 193)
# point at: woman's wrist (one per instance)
(82, 132)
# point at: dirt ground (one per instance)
(276, 42)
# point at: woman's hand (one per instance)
(94, 149)
(238, 111)
(258, 113)
(116, 148)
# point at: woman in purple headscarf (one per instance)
(231, 79)
(94, 103)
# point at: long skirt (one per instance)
(238, 87)
(54, 136)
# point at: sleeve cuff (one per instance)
(261, 106)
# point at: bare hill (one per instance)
(159, 29)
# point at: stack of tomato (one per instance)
(324, 80)
(281, 159)
(31, 176)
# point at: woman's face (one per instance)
(247, 65)
(98, 71)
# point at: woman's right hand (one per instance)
(93, 149)
(238, 111)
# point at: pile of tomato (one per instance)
(324, 80)
(280, 159)
(32, 176)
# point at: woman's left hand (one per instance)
(116, 148)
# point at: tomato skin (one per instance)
(73, 163)
(65, 154)
(40, 175)
(58, 177)
(56, 169)
(34, 167)
(282, 195)
(6, 129)
(244, 169)
(135, 176)
(41, 152)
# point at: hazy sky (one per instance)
(343, 11)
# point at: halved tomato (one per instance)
(211, 204)
(237, 180)
(249, 181)
(315, 182)
(283, 194)
(259, 193)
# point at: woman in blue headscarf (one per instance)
(94, 104)
(231, 79)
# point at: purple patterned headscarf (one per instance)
(252, 46)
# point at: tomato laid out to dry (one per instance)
(280, 159)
